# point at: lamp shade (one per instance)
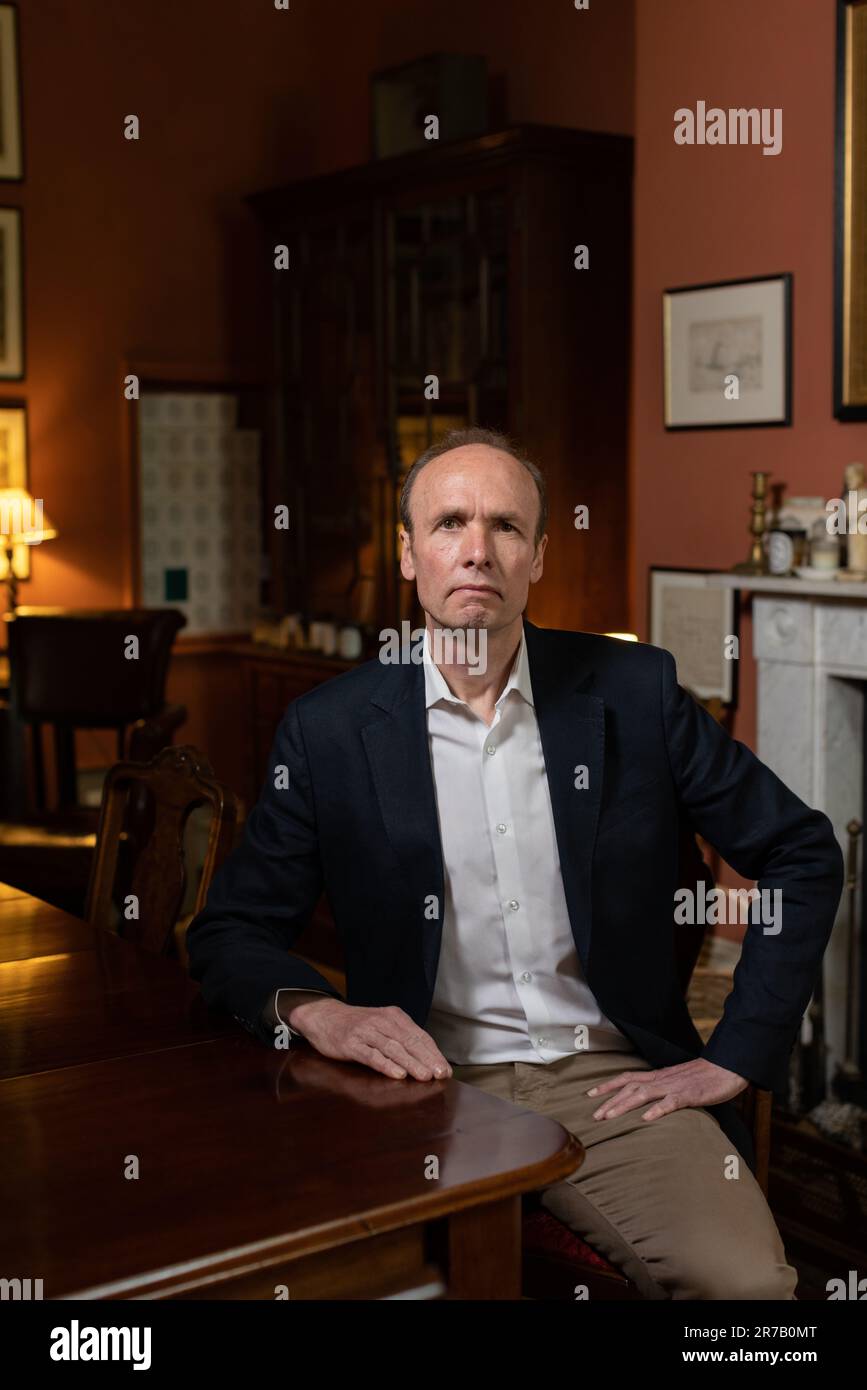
(22, 520)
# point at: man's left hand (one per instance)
(695, 1083)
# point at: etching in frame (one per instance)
(691, 619)
(728, 328)
(850, 239)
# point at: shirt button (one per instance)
(501, 829)
(526, 977)
(491, 748)
(514, 905)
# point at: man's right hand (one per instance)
(385, 1039)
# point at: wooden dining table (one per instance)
(151, 1149)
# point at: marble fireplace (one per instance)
(810, 647)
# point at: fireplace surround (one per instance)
(810, 648)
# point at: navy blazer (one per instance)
(358, 819)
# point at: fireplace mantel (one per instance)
(776, 584)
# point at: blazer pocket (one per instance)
(631, 803)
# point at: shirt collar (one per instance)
(436, 688)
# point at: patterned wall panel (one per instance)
(199, 482)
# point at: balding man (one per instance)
(500, 841)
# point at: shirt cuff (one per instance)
(271, 1015)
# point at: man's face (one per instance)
(472, 553)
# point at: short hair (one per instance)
(474, 434)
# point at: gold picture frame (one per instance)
(11, 295)
(850, 288)
(11, 143)
(14, 473)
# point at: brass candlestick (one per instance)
(757, 562)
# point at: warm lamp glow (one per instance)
(22, 520)
(623, 636)
(22, 523)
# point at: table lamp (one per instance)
(22, 522)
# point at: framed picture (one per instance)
(692, 619)
(728, 354)
(14, 472)
(11, 144)
(850, 248)
(11, 296)
(454, 86)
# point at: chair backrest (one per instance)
(143, 816)
(73, 668)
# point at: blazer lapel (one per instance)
(572, 731)
(397, 750)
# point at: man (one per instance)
(499, 843)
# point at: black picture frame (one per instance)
(843, 409)
(787, 279)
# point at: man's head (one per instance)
(473, 513)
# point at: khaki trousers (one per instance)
(652, 1196)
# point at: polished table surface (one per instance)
(71, 993)
(149, 1150)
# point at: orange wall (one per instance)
(144, 253)
(706, 213)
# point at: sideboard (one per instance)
(236, 692)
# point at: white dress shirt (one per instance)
(509, 984)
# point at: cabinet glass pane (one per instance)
(447, 281)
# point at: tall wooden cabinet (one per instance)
(457, 263)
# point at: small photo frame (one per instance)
(727, 350)
(692, 619)
(11, 296)
(14, 472)
(11, 145)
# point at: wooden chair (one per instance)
(140, 845)
(67, 669)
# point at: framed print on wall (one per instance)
(14, 473)
(11, 296)
(11, 155)
(850, 229)
(727, 351)
(692, 619)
